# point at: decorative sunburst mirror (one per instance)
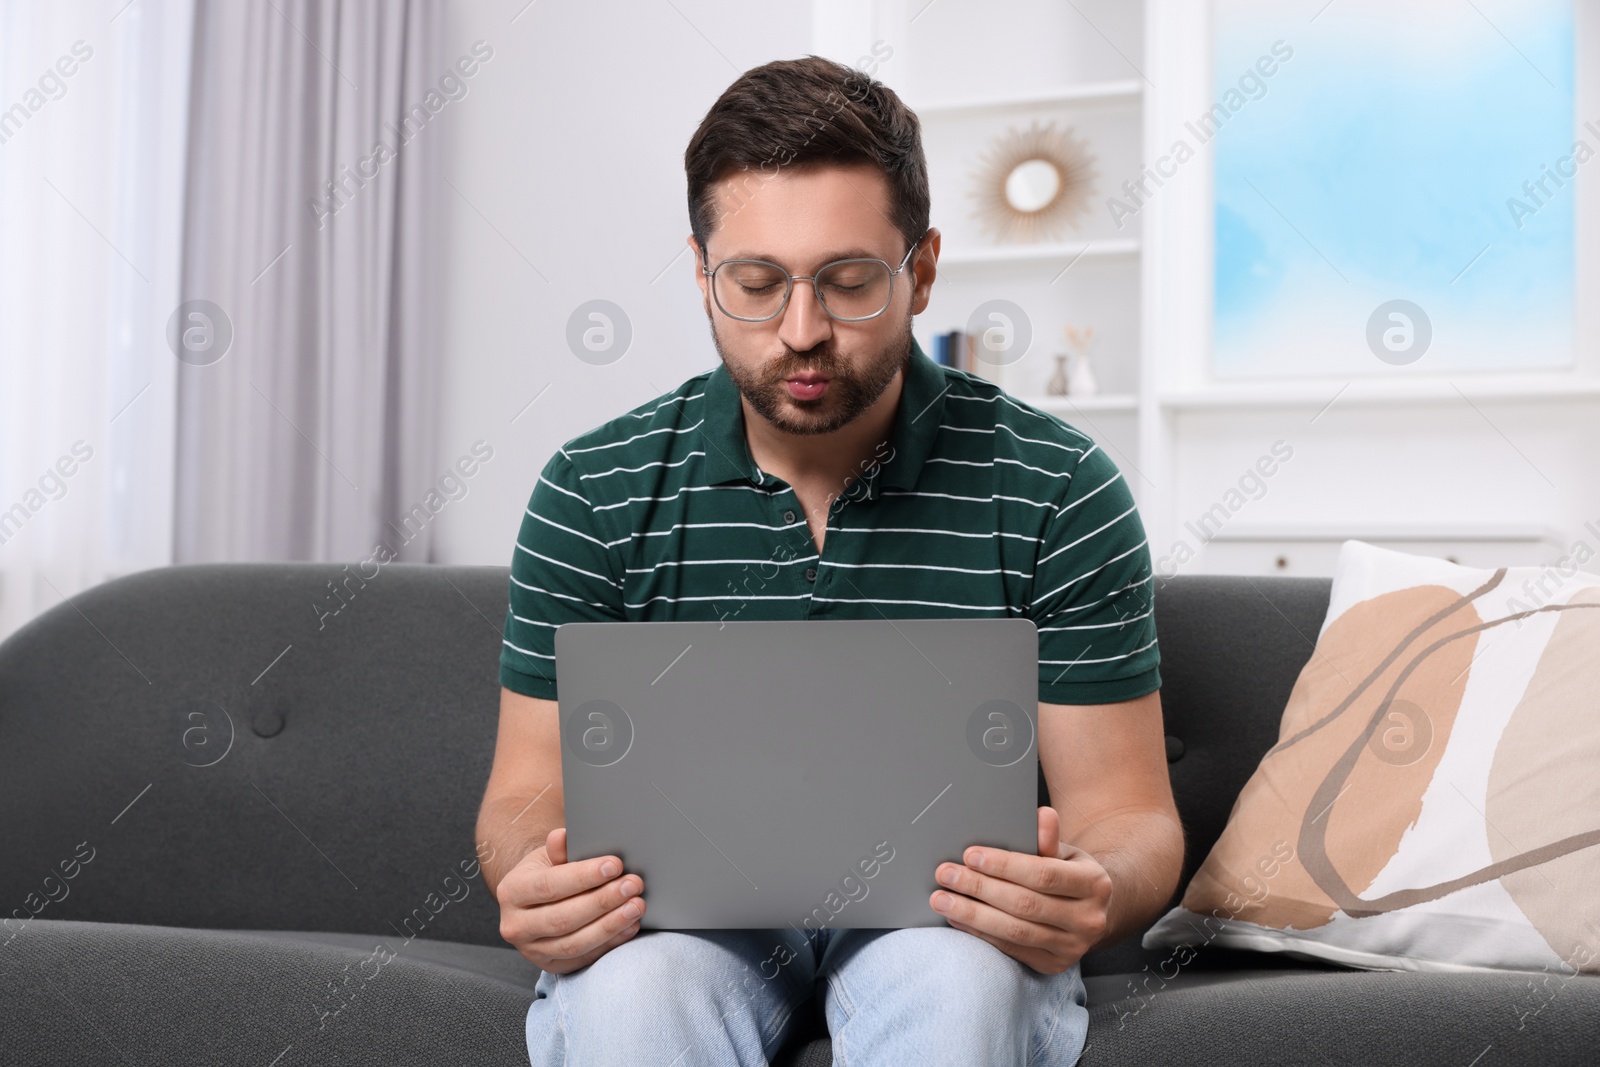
(1033, 184)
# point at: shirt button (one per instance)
(811, 574)
(788, 516)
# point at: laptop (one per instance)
(810, 774)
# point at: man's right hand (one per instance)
(562, 915)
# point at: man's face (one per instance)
(803, 371)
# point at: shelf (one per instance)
(1398, 390)
(1531, 533)
(1067, 405)
(1123, 91)
(1063, 252)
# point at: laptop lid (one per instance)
(758, 774)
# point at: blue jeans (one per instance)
(921, 995)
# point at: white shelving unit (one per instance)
(1423, 460)
(971, 77)
(1089, 276)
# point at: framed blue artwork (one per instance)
(1394, 185)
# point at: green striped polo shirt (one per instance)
(977, 506)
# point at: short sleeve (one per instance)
(1094, 597)
(562, 570)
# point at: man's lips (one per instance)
(807, 386)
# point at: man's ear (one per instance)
(926, 263)
(699, 261)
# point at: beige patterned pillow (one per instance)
(1433, 801)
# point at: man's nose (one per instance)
(804, 324)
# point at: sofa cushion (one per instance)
(117, 993)
(1309, 1017)
(236, 756)
(503, 964)
(1432, 800)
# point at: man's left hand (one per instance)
(1046, 911)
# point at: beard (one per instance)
(850, 391)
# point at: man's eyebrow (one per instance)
(826, 257)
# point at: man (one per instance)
(828, 469)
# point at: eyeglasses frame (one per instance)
(790, 279)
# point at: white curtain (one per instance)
(93, 120)
(208, 352)
(308, 436)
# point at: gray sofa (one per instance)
(240, 824)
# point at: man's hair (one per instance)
(798, 112)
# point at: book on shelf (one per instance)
(956, 349)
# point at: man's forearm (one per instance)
(1142, 851)
(511, 827)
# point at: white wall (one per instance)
(569, 148)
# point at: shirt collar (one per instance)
(916, 424)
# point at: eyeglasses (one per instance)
(849, 290)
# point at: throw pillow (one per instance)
(1433, 800)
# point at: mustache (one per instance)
(817, 361)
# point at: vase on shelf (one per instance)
(1080, 369)
(1080, 376)
(1057, 385)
